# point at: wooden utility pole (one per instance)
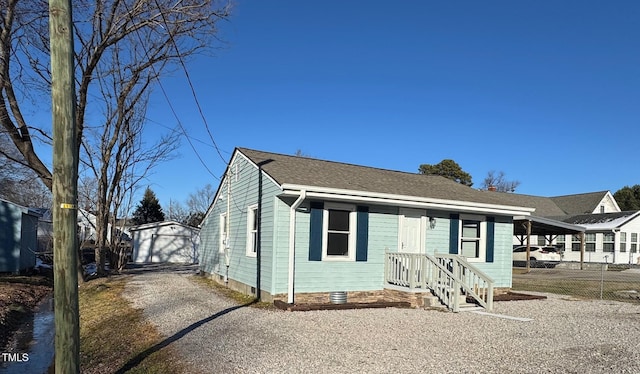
(65, 190)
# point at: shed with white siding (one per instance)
(168, 241)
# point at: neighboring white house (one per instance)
(610, 235)
(86, 228)
(167, 241)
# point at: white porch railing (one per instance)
(447, 276)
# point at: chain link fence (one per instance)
(600, 281)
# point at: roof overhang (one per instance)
(544, 226)
(324, 193)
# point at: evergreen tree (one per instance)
(448, 169)
(148, 210)
(628, 198)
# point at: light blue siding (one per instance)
(245, 187)
(316, 276)
(323, 276)
(437, 238)
(501, 267)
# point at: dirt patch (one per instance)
(19, 297)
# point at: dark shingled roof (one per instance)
(545, 206)
(583, 203)
(582, 219)
(285, 169)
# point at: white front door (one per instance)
(411, 238)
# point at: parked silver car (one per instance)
(537, 253)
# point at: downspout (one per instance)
(292, 244)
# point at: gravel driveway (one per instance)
(215, 335)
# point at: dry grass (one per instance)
(587, 289)
(114, 337)
(236, 296)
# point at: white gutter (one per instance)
(292, 243)
(407, 201)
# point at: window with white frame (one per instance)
(252, 230)
(634, 242)
(575, 243)
(590, 242)
(560, 240)
(223, 233)
(608, 242)
(623, 242)
(339, 232)
(472, 241)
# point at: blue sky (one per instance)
(546, 91)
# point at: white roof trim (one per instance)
(551, 222)
(237, 153)
(612, 225)
(145, 226)
(403, 200)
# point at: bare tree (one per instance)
(498, 182)
(198, 203)
(116, 154)
(200, 200)
(122, 49)
(177, 212)
(20, 184)
(162, 31)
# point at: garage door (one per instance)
(172, 248)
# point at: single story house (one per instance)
(18, 237)
(298, 230)
(610, 235)
(609, 238)
(167, 241)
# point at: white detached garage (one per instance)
(167, 241)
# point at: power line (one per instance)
(181, 60)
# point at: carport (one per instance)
(525, 226)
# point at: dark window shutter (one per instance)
(315, 232)
(454, 233)
(362, 233)
(491, 228)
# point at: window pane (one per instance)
(590, 237)
(590, 247)
(337, 244)
(608, 237)
(338, 220)
(470, 248)
(561, 239)
(254, 217)
(634, 237)
(254, 242)
(608, 247)
(470, 229)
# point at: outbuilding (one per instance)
(167, 241)
(18, 237)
